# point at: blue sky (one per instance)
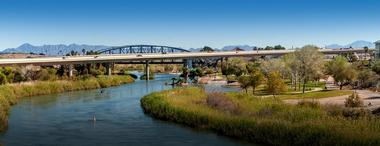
(188, 23)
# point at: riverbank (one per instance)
(10, 93)
(264, 120)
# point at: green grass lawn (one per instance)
(296, 94)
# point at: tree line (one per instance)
(301, 67)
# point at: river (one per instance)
(64, 119)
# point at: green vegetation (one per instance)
(11, 92)
(341, 70)
(265, 120)
(275, 85)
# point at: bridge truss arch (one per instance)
(142, 49)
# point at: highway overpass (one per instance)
(152, 57)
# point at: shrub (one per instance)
(220, 101)
(334, 110)
(356, 113)
(3, 78)
(309, 103)
(43, 75)
(209, 71)
(353, 101)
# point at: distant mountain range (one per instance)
(62, 49)
(356, 44)
(53, 49)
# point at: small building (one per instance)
(377, 49)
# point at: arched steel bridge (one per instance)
(142, 49)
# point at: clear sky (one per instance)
(188, 23)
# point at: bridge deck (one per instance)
(143, 57)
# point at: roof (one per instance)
(377, 42)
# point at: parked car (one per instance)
(139, 55)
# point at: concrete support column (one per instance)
(108, 69)
(221, 63)
(147, 70)
(188, 63)
(71, 70)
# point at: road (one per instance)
(142, 57)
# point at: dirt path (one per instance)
(368, 97)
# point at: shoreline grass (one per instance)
(264, 120)
(10, 93)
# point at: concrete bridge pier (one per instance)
(147, 70)
(221, 63)
(188, 63)
(71, 67)
(108, 69)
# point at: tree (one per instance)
(341, 70)
(43, 75)
(197, 72)
(235, 67)
(367, 78)
(279, 47)
(207, 49)
(185, 74)
(244, 82)
(376, 67)
(272, 65)
(268, 48)
(252, 67)
(255, 79)
(275, 84)
(291, 67)
(310, 63)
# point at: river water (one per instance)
(64, 119)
